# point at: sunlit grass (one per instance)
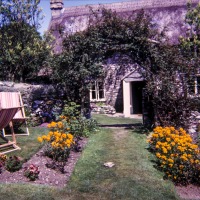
(133, 176)
(28, 144)
(106, 120)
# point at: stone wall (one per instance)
(29, 92)
(115, 69)
(39, 100)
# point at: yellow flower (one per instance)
(163, 157)
(196, 161)
(60, 125)
(39, 139)
(164, 150)
(155, 135)
(50, 133)
(161, 135)
(169, 148)
(158, 155)
(53, 125)
(64, 135)
(172, 128)
(181, 166)
(192, 161)
(170, 160)
(44, 137)
(48, 138)
(70, 136)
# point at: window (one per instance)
(97, 91)
(197, 85)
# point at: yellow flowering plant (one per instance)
(3, 159)
(59, 142)
(176, 154)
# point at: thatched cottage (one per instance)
(123, 87)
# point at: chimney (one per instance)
(56, 7)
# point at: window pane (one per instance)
(101, 94)
(93, 87)
(93, 95)
(100, 84)
(198, 85)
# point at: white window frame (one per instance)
(97, 91)
(196, 90)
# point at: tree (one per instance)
(22, 51)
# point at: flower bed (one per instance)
(176, 154)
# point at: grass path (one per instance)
(132, 177)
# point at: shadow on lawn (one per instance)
(136, 127)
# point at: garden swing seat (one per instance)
(14, 99)
(6, 116)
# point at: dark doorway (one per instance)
(137, 87)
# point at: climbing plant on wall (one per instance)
(84, 53)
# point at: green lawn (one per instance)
(28, 144)
(106, 120)
(133, 176)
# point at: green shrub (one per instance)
(13, 163)
(79, 125)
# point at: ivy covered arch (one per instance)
(84, 53)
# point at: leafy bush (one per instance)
(71, 109)
(31, 172)
(176, 155)
(79, 125)
(13, 163)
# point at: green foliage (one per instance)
(13, 163)
(168, 72)
(166, 68)
(79, 125)
(191, 42)
(83, 53)
(176, 154)
(71, 109)
(23, 51)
